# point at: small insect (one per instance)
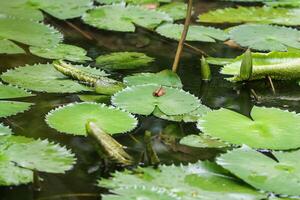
(159, 92)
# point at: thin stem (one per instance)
(272, 85)
(83, 33)
(70, 195)
(254, 94)
(195, 49)
(183, 36)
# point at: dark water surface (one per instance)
(215, 94)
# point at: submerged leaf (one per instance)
(121, 18)
(268, 128)
(75, 117)
(265, 37)
(141, 100)
(8, 47)
(61, 51)
(263, 172)
(123, 60)
(202, 180)
(195, 33)
(163, 78)
(202, 141)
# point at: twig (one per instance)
(183, 36)
(70, 195)
(84, 34)
(195, 49)
(254, 94)
(272, 85)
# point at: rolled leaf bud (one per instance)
(246, 66)
(205, 70)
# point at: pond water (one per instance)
(215, 94)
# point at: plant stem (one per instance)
(183, 36)
(272, 85)
(70, 195)
(83, 33)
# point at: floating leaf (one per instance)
(264, 173)
(44, 78)
(177, 10)
(65, 9)
(33, 33)
(8, 47)
(20, 155)
(268, 128)
(219, 61)
(132, 1)
(266, 15)
(75, 117)
(287, 3)
(121, 18)
(4, 130)
(8, 108)
(202, 180)
(195, 33)
(61, 51)
(265, 37)
(164, 78)
(141, 100)
(202, 141)
(277, 65)
(123, 60)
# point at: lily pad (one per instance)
(8, 108)
(263, 172)
(195, 33)
(61, 52)
(44, 78)
(75, 116)
(202, 180)
(140, 100)
(265, 15)
(19, 156)
(4, 130)
(135, 2)
(123, 60)
(121, 18)
(164, 78)
(33, 33)
(268, 128)
(202, 141)
(177, 10)
(265, 37)
(277, 65)
(8, 47)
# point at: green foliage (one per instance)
(123, 60)
(202, 180)
(265, 15)
(76, 116)
(8, 47)
(132, 1)
(202, 141)
(277, 65)
(268, 128)
(265, 37)
(141, 100)
(20, 155)
(263, 172)
(121, 18)
(33, 33)
(164, 78)
(44, 78)
(287, 3)
(177, 10)
(61, 51)
(4, 130)
(195, 33)
(8, 108)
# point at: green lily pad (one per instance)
(4, 130)
(8, 108)
(45, 78)
(265, 37)
(263, 172)
(75, 117)
(266, 15)
(61, 52)
(195, 33)
(287, 3)
(123, 60)
(277, 65)
(268, 128)
(202, 141)
(135, 2)
(19, 156)
(202, 180)
(121, 18)
(33, 33)
(177, 10)
(140, 100)
(192, 116)
(8, 47)
(164, 78)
